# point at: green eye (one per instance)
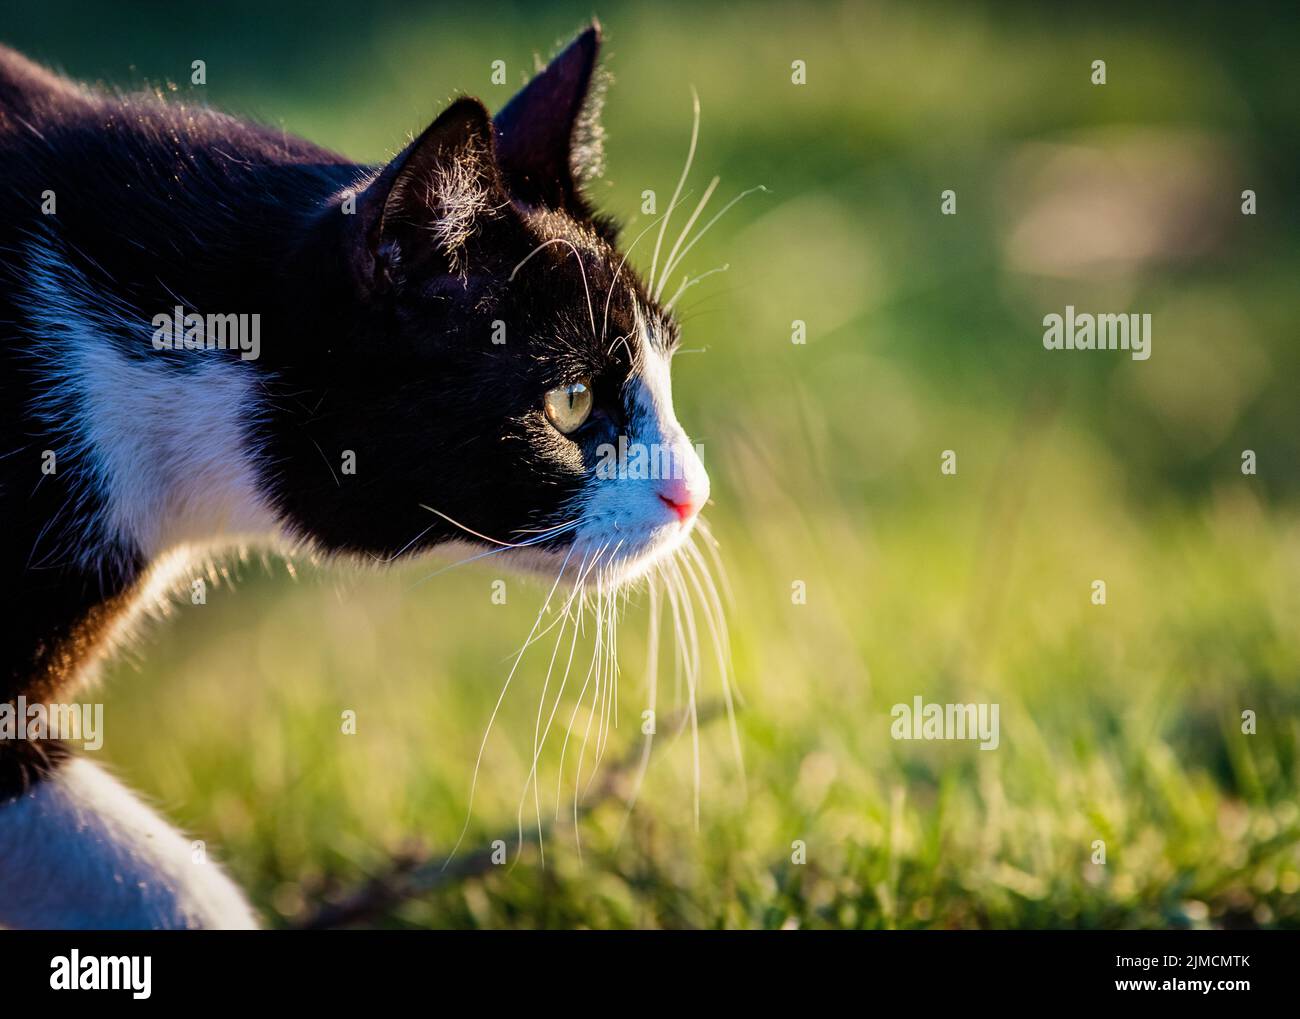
(568, 406)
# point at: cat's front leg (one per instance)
(79, 851)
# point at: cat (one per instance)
(443, 345)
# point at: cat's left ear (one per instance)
(548, 137)
(426, 206)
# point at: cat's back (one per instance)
(143, 184)
(137, 155)
(34, 98)
(27, 89)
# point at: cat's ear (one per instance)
(429, 201)
(549, 140)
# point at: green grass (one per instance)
(1119, 722)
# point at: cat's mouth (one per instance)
(628, 555)
(611, 553)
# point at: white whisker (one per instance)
(686, 170)
(540, 742)
(652, 682)
(717, 625)
(609, 704)
(669, 261)
(559, 782)
(711, 546)
(595, 696)
(484, 537)
(591, 313)
(609, 296)
(497, 707)
(687, 283)
(540, 539)
(397, 555)
(689, 648)
(707, 227)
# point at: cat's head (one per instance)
(499, 367)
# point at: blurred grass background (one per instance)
(1119, 723)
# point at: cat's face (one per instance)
(513, 367)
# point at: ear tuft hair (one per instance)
(587, 151)
(442, 186)
(455, 196)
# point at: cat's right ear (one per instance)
(549, 139)
(424, 206)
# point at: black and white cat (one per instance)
(458, 323)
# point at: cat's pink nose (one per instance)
(683, 509)
(683, 495)
(685, 489)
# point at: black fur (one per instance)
(375, 337)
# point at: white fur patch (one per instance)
(166, 448)
(80, 852)
(627, 513)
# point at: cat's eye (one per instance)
(567, 407)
